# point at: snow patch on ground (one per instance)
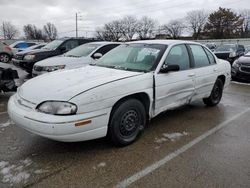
(240, 83)
(170, 136)
(6, 124)
(100, 165)
(14, 174)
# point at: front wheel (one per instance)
(215, 95)
(4, 58)
(127, 122)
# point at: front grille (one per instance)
(245, 69)
(38, 68)
(19, 57)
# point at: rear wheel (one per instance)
(4, 58)
(127, 122)
(215, 95)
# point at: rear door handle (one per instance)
(215, 69)
(191, 75)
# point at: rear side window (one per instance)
(210, 57)
(200, 56)
(178, 55)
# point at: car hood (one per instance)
(64, 85)
(40, 51)
(245, 60)
(62, 60)
(27, 52)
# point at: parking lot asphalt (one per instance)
(192, 146)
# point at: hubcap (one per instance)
(4, 58)
(129, 123)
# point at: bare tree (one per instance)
(32, 32)
(129, 27)
(146, 27)
(111, 31)
(245, 14)
(174, 28)
(196, 21)
(8, 30)
(50, 31)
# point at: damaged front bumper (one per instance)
(73, 128)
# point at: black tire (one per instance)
(127, 122)
(216, 94)
(4, 57)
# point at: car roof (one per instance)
(166, 42)
(104, 42)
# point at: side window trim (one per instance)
(206, 51)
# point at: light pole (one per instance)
(76, 25)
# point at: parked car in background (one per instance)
(20, 46)
(229, 52)
(117, 95)
(7, 78)
(54, 48)
(8, 51)
(211, 46)
(241, 68)
(75, 58)
(18, 58)
(247, 49)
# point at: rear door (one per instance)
(205, 70)
(173, 89)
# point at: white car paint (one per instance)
(95, 90)
(70, 62)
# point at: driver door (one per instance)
(173, 89)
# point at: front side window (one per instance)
(178, 55)
(133, 57)
(200, 57)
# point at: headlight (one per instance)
(29, 57)
(53, 68)
(232, 54)
(236, 64)
(57, 108)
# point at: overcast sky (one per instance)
(94, 13)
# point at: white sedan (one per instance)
(78, 57)
(115, 97)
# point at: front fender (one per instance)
(105, 96)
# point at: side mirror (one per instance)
(97, 55)
(169, 68)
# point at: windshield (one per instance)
(133, 57)
(82, 51)
(53, 45)
(226, 47)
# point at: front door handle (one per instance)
(191, 75)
